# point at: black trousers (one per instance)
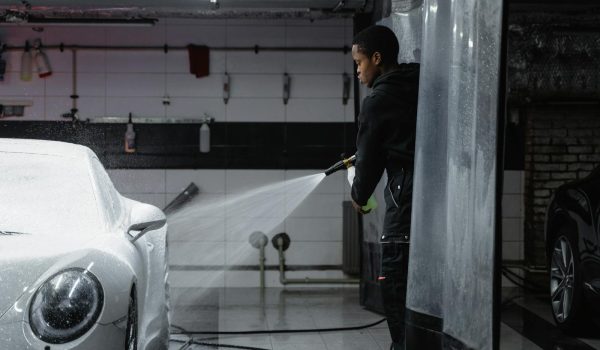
(394, 252)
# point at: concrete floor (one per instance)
(527, 323)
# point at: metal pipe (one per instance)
(306, 280)
(261, 263)
(166, 48)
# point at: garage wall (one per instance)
(563, 144)
(114, 83)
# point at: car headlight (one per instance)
(66, 306)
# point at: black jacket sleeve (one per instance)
(370, 155)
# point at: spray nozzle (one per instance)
(342, 164)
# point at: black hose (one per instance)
(279, 331)
(215, 345)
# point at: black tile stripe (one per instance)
(175, 146)
(541, 332)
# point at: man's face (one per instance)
(366, 67)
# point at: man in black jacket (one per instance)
(386, 140)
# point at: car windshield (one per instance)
(46, 194)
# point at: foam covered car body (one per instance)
(80, 265)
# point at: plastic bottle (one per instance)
(41, 60)
(130, 137)
(26, 61)
(204, 138)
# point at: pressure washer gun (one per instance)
(342, 164)
(348, 163)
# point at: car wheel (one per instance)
(566, 288)
(132, 323)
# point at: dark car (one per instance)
(573, 251)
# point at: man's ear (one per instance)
(376, 58)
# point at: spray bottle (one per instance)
(205, 134)
(348, 163)
(26, 60)
(41, 60)
(130, 137)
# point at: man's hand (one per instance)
(359, 208)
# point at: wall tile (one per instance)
(315, 36)
(91, 84)
(239, 228)
(135, 62)
(319, 62)
(59, 84)
(91, 61)
(512, 229)
(158, 200)
(91, 107)
(238, 181)
(195, 108)
(135, 84)
(259, 86)
(512, 206)
(317, 86)
(150, 107)
(16, 36)
(138, 181)
(320, 205)
(56, 106)
(197, 254)
(136, 36)
(315, 110)
(178, 62)
(349, 112)
(310, 229)
(201, 207)
(255, 35)
(512, 251)
(69, 35)
(197, 279)
(255, 110)
(88, 61)
(193, 228)
(185, 34)
(241, 253)
(314, 253)
(235, 279)
(187, 85)
(333, 183)
(13, 86)
(208, 181)
(263, 62)
(512, 182)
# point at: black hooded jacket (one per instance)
(386, 129)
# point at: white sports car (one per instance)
(80, 265)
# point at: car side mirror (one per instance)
(144, 218)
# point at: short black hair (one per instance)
(378, 39)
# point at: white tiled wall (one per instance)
(114, 83)
(218, 235)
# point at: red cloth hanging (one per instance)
(199, 59)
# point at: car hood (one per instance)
(24, 258)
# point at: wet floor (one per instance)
(526, 320)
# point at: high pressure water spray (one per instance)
(342, 164)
